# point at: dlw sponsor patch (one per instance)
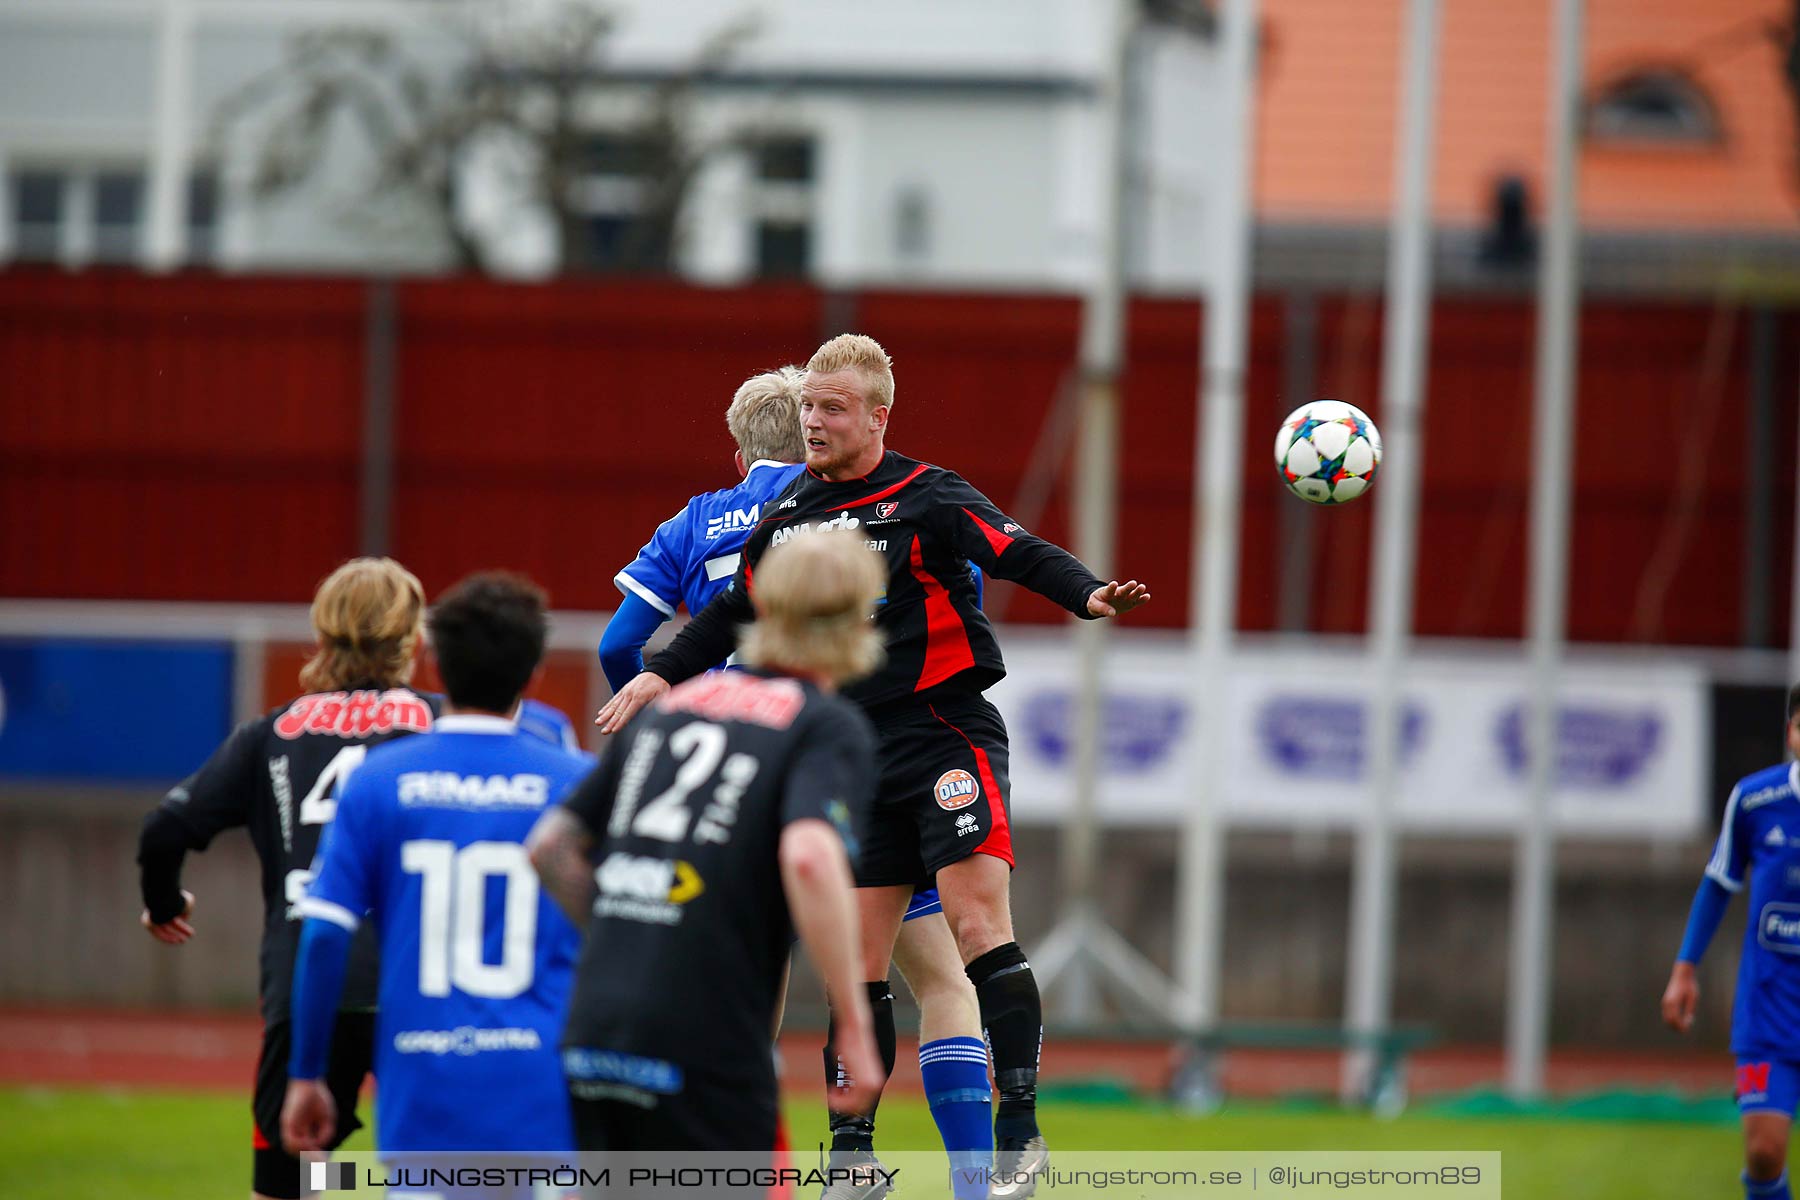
(956, 789)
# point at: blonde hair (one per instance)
(812, 596)
(367, 615)
(764, 416)
(863, 354)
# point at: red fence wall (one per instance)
(198, 437)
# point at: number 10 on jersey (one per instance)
(453, 914)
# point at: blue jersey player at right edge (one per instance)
(1760, 834)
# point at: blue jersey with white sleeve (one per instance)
(1760, 836)
(693, 555)
(476, 962)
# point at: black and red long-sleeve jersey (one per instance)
(928, 524)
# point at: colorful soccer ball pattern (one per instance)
(1328, 452)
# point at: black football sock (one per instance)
(1013, 1016)
(851, 1132)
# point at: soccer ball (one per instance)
(1328, 452)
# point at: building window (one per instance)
(912, 225)
(1657, 107)
(203, 217)
(39, 205)
(118, 215)
(782, 205)
(612, 187)
(98, 213)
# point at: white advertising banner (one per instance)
(1632, 745)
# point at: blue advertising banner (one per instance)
(1632, 739)
(84, 710)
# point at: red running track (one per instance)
(85, 1048)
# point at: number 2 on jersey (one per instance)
(699, 745)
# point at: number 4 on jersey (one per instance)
(319, 807)
(320, 804)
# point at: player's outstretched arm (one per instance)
(558, 847)
(622, 642)
(815, 874)
(1001, 547)
(1116, 599)
(629, 700)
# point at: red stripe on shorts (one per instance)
(998, 842)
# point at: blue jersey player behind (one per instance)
(688, 561)
(476, 963)
(548, 723)
(1760, 838)
(693, 555)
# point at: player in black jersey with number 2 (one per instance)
(941, 811)
(280, 776)
(720, 823)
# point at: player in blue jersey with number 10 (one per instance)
(476, 963)
(688, 561)
(1760, 835)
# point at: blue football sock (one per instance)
(1766, 1189)
(955, 1071)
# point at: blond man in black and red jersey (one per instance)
(942, 809)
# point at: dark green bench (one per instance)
(1196, 1085)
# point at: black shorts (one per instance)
(275, 1172)
(944, 792)
(708, 1117)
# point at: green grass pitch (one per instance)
(81, 1144)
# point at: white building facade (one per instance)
(902, 142)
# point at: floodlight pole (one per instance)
(1218, 499)
(171, 142)
(1369, 982)
(1534, 871)
(1083, 949)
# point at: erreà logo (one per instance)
(955, 789)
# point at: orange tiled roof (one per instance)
(1330, 83)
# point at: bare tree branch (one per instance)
(524, 79)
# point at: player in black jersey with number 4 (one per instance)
(721, 822)
(280, 776)
(941, 810)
